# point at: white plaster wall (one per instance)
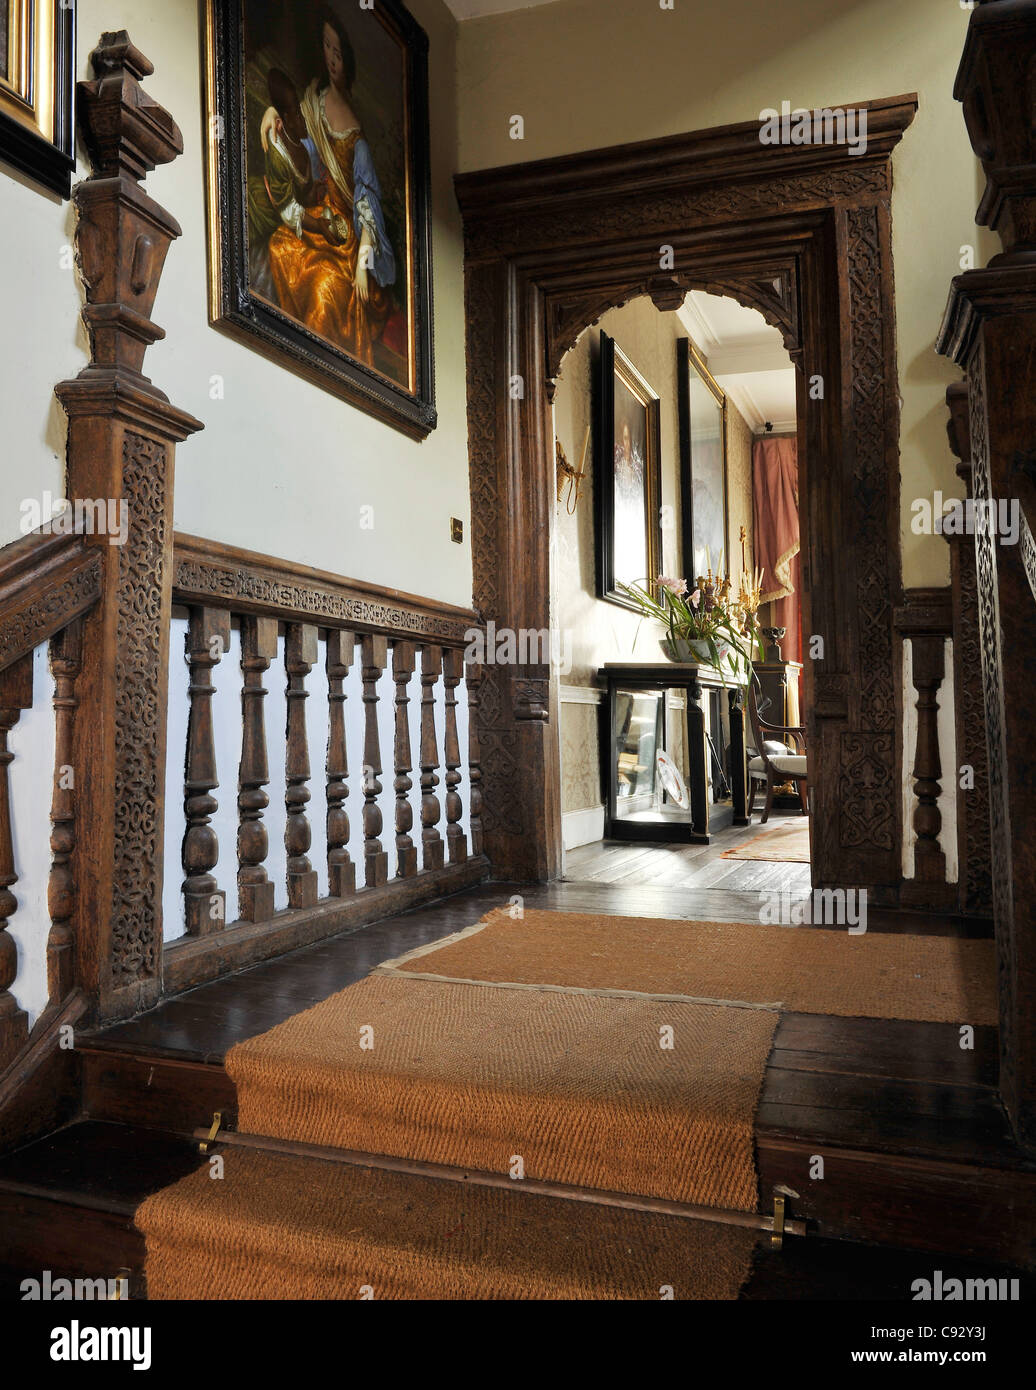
(282, 466)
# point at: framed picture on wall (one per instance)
(37, 87)
(319, 196)
(703, 464)
(627, 475)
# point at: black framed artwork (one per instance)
(703, 464)
(319, 196)
(628, 475)
(37, 91)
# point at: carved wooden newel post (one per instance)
(989, 329)
(121, 439)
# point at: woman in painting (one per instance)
(334, 280)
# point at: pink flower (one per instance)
(696, 598)
(675, 586)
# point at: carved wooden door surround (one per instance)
(801, 233)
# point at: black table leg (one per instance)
(738, 769)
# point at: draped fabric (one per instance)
(315, 279)
(775, 498)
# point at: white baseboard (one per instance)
(582, 827)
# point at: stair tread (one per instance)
(99, 1163)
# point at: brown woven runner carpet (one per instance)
(277, 1227)
(800, 969)
(785, 844)
(580, 1087)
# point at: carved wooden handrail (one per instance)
(246, 581)
(46, 582)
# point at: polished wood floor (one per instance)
(691, 866)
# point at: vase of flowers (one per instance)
(704, 625)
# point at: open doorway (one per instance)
(715, 465)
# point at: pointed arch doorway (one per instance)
(801, 233)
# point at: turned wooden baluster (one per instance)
(431, 669)
(473, 681)
(254, 890)
(15, 695)
(341, 871)
(300, 655)
(208, 636)
(375, 859)
(403, 661)
(453, 669)
(928, 670)
(66, 654)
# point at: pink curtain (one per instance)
(775, 496)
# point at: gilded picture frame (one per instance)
(319, 204)
(702, 405)
(37, 91)
(627, 475)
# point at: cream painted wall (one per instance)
(591, 73)
(282, 466)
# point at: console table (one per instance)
(638, 806)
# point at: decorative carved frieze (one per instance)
(245, 587)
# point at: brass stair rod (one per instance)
(419, 1168)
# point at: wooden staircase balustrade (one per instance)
(15, 696)
(66, 659)
(300, 657)
(48, 583)
(453, 670)
(375, 659)
(341, 871)
(254, 889)
(473, 681)
(925, 619)
(208, 637)
(431, 840)
(403, 661)
(379, 631)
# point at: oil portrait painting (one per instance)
(319, 200)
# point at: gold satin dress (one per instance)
(316, 281)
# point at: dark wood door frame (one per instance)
(801, 233)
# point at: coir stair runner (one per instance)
(534, 1060)
(280, 1228)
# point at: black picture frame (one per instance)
(690, 366)
(613, 365)
(47, 157)
(233, 306)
